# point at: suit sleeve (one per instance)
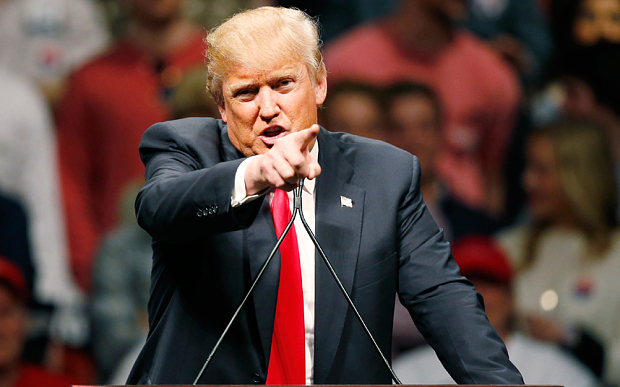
(187, 194)
(444, 305)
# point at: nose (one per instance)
(268, 100)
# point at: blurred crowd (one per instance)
(511, 106)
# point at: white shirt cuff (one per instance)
(239, 195)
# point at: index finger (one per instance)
(306, 136)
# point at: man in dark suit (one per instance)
(206, 204)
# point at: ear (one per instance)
(222, 109)
(320, 90)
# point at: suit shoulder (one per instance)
(199, 137)
(187, 130)
(375, 150)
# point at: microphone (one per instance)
(297, 209)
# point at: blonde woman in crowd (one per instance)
(569, 254)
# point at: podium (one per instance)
(338, 385)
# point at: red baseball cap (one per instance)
(12, 276)
(480, 256)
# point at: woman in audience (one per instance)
(568, 257)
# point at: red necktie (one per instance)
(287, 364)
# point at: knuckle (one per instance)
(288, 174)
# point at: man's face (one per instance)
(416, 128)
(262, 106)
(356, 113)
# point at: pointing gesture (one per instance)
(287, 162)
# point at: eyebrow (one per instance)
(273, 77)
(284, 73)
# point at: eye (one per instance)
(244, 94)
(285, 83)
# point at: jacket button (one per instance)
(257, 379)
(205, 212)
(199, 213)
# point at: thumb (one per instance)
(307, 136)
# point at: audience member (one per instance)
(487, 266)
(13, 322)
(109, 103)
(354, 108)
(568, 256)
(28, 173)
(207, 13)
(517, 30)
(45, 39)
(420, 41)
(584, 82)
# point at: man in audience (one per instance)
(108, 105)
(487, 266)
(14, 297)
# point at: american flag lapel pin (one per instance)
(346, 202)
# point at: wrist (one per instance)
(254, 183)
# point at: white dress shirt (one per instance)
(306, 248)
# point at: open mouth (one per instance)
(271, 134)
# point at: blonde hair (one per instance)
(586, 171)
(261, 38)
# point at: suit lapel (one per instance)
(338, 229)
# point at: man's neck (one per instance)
(418, 32)
(160, 40)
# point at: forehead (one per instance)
(242, 76)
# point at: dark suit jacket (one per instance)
(206, 254)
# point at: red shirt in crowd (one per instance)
(108, 105)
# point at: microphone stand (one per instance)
(297, 210)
